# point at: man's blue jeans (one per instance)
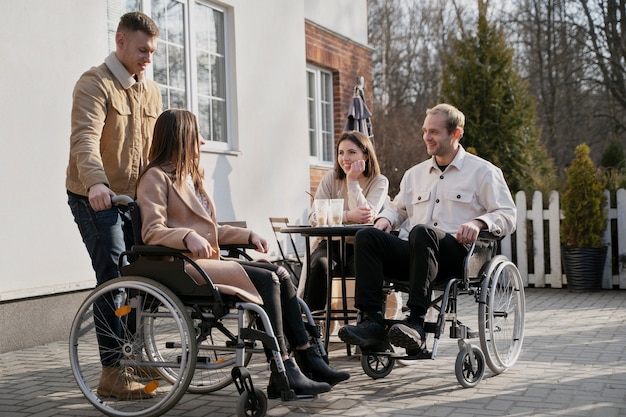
(106, 234)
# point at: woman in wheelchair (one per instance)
(177, 212)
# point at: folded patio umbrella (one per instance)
(359, 116)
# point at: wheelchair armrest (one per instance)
(156, 250)
(171, 274)
(238, 250)
(238, 246)
(488, 236)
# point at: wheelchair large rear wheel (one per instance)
(117, 313)
(501, 314)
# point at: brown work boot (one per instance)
(146, 373)
(119, 382)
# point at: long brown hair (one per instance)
(176, 140)
(364, 143)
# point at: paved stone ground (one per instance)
(573, 364)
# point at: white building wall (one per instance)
(46, 45)
(345, 17)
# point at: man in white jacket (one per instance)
(442, 205)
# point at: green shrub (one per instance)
(583, 203)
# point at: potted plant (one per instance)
(584, 221)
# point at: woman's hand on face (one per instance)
(260, 243)
(361, 215)
(356, 169)
(198, 246)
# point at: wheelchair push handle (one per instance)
(121, 199)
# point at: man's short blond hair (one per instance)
(454, 117)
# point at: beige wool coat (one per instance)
(169, 212)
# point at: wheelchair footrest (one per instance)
(416, 354)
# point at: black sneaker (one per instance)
(407, 334)
(366, 333)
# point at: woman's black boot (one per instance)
(316, 368)
(300, 384)
(278, 387)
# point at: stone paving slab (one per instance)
(573, 363)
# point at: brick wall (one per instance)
(347, 61)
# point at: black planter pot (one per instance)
(584, 267)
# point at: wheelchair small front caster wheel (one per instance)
(377, 366)
(249, 405)
(470, 366)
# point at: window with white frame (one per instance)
(190, 64)
(320, 108)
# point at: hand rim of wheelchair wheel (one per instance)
(511, 302)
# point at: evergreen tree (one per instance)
(479, 78)
(613, 156)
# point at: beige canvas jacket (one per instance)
(113, 117)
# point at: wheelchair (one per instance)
(496, 286)
(172, 335)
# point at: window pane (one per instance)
(204, 74)
(158, 14)
(219, 120)
(159, 64)
(210, 35)
(312, 143)
(327, 144)
(211, 70)
(164, 97)
(219, 44)
(218, 77)
(176, 58)
(312, 129)
(204, 116)
(175, 23)
(320, 109)
(326, 85)
(310, 85)
(178, 99)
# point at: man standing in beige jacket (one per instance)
(113, 114)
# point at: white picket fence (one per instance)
(537, 218)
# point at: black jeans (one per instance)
(317, 279)
(428, 256)
(279, 302)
